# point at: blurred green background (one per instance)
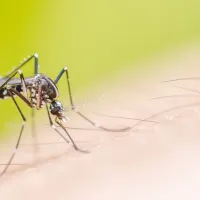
(95, 39)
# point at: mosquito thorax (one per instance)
(56, 108)
(41, 90)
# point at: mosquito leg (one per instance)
(25, 99)
(181, 79)
(36, 65)
(10, 75)
(23, 83)
(39, 96)
(65, 70)
(19, 137)
(34, 135)
(33, 131)
(169, 96)
(53, 126)
(60, 124)
(36, 71)
(6, 81)
(20, 96)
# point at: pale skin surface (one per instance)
(152, 161)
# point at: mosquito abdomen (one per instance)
(4, 93)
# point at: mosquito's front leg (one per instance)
(60, 124)
(53, 126)
(65, 70)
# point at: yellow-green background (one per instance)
(95, 38)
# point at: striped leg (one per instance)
(19, 137)
(65, 70)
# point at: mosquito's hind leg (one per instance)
(13, 73)
(23, 83)
(36, 66)
(24, 86)
(7, 80)
(19, 137)
(65, 70)
(10, 75)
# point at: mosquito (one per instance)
(40, 91)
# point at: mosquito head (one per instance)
(56, 108)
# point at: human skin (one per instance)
(154, 160)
